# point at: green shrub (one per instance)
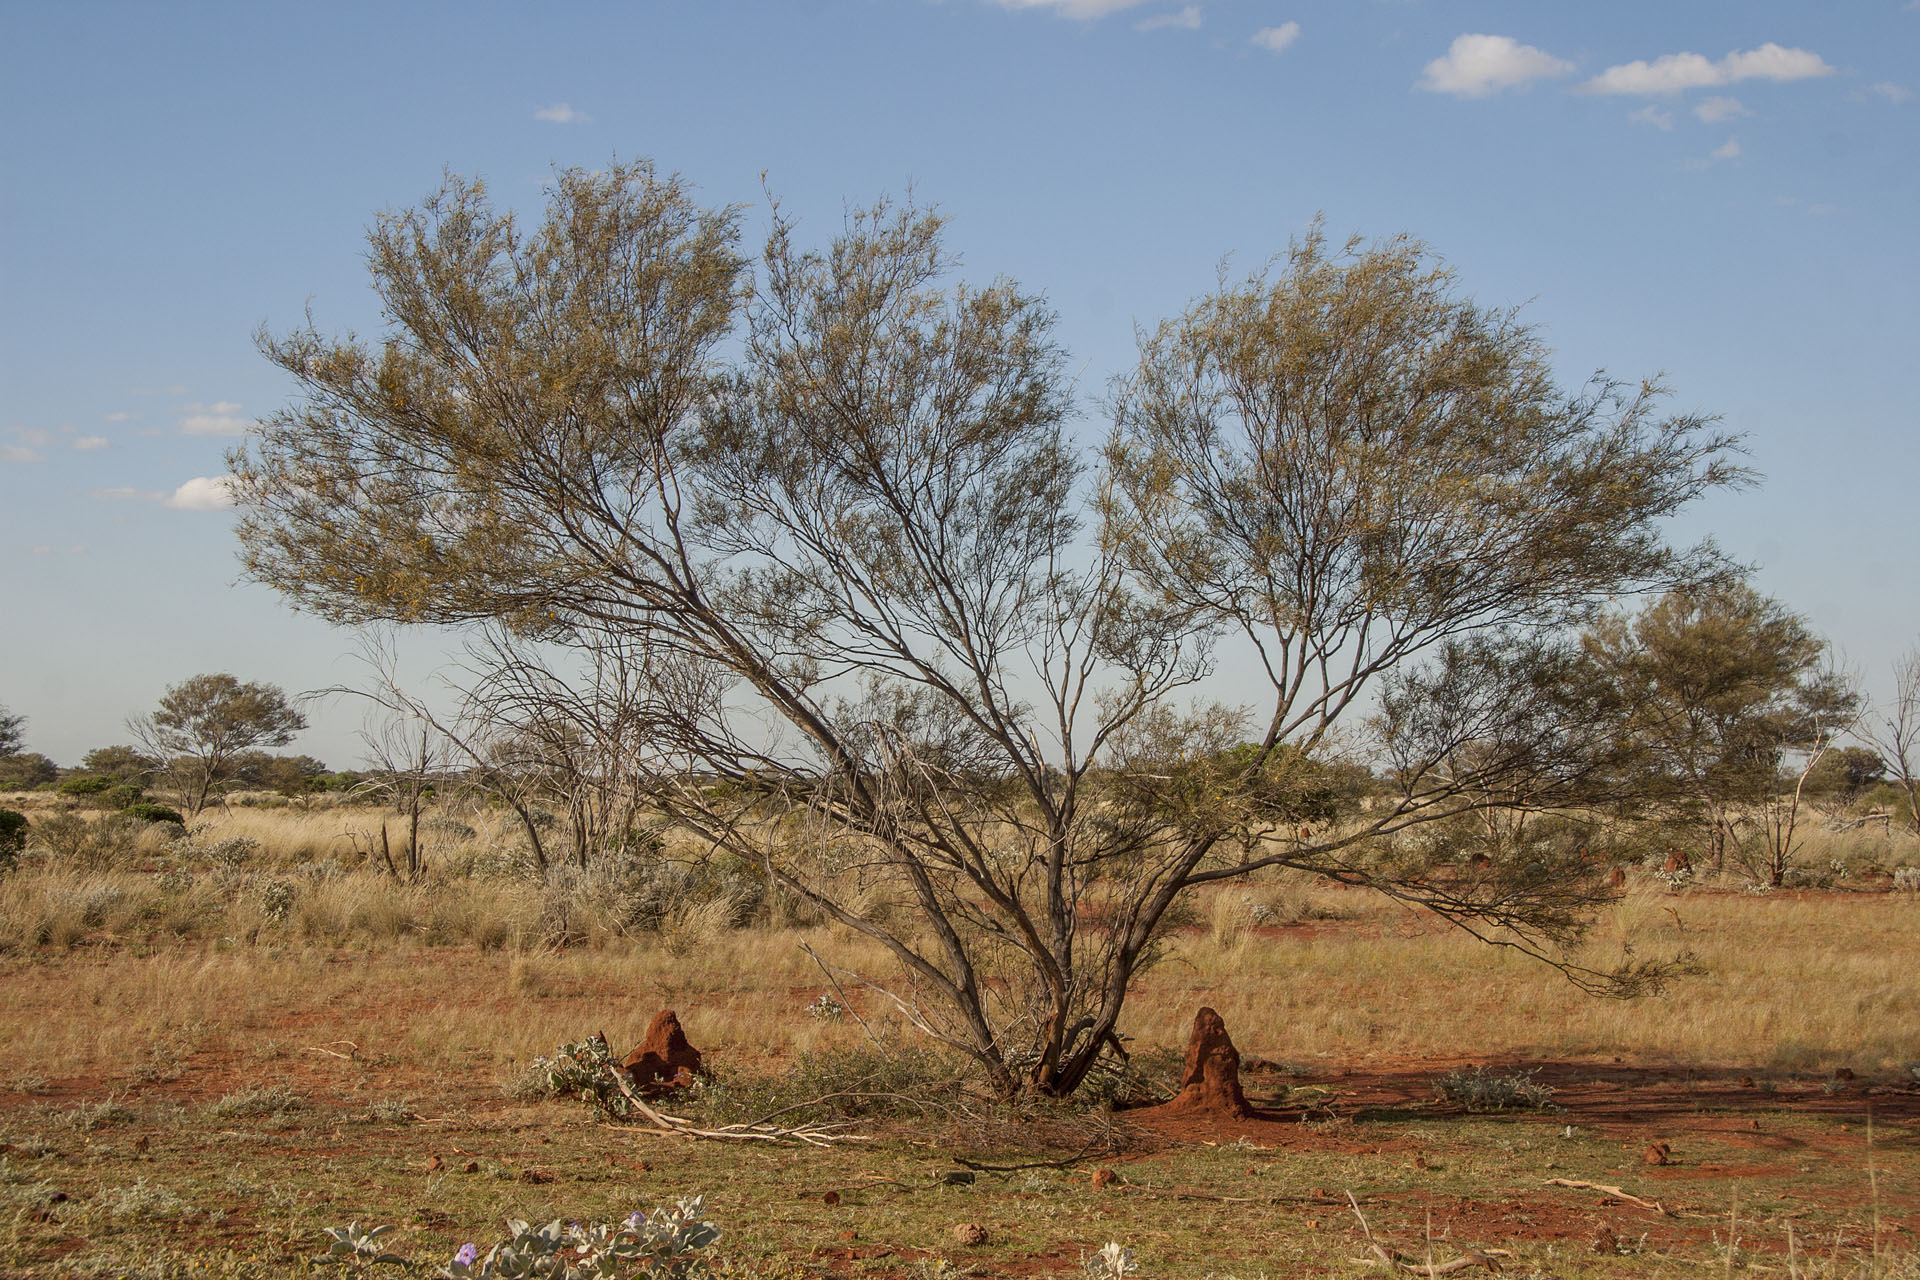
(147, 811)
(121, 796)
(86, 784)
(13, 835)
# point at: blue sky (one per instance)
(1724, 192)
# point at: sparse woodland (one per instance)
(938, 749)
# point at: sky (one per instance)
(1725, 194)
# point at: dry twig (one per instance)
(1615, 1192)
(818, 1135)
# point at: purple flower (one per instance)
(636, 1220)
(465, 1257)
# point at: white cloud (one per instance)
(203, 493)
(1276, 39)
(32, 437)
(1720, 110)
(1676, 72)
(1084, 10)
(1894, 93)
(1183, 19)
(561, 113)
(123, 493)
(221, 418)
(87, 444)
(1477, 65)
(1659, 117)
(18, 453)
(121, 416)
(1727, 150)
(43, 550)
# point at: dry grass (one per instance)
(459, 972)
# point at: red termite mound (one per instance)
(665, 1059)
(1210, 1081)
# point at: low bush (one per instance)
(86, 784)
(147, 811)
(1483, 1090)
(13, 836)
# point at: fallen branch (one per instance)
(1615, 1192)
(818, 1135)
(352, 1050)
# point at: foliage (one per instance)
(85, 784)
(13, 835)
(67, 839)
(683, 504)
(1483, 1089)
(665, 1244)
(580, 1070)
(206, 724)
(358, 1244)
(121, 763)
(12, 732)
(1726, 686)
(25, 770)
(149, 812)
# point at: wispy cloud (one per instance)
(203, 493)
(1478, 65)
(120, 416)
(26, 446)
(1659, 117)
(1728, 150)
(1276, 39)
(1886, 90)
(1186, 18)
(561, 113)
(88, 444)
(1677, 72)
(1719, 110)
(221, 418)
(1083, 10)
(125, 493)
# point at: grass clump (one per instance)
(1481, 1090)
(257, 1102)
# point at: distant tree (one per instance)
(288, 775)
(12, 731)
(203, 725)
(120, 763)
(25, 770)
(1844, 772)
(1734, 706)
(1894, 732)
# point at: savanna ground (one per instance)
(199, 1071)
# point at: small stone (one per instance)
(471, 1166)
(1102, 1177)
(970, 1233)
(830, 1199)
(1746, 1082)
(435, 1165)
(1657, 1153)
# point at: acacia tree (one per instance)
(1733, 704)
(888, 634)
(203, 726)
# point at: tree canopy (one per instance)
(876, 623)
(205, 724)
